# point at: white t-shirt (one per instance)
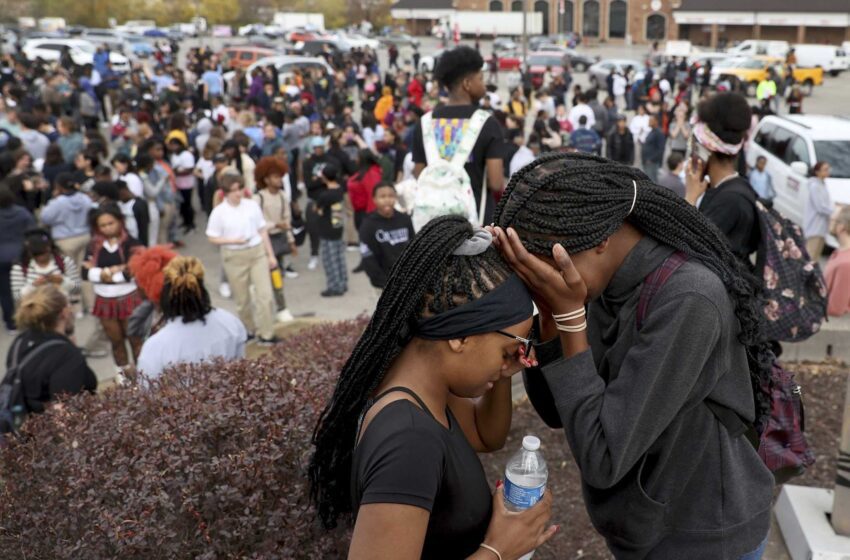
(520, 159)
(183, 160)
(582, 109)
(237, 222)
(207, 168)
(134, 183)
(619, 85)
(640, 127)
(220, 335)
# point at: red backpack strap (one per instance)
(655, 280)
(60, 261)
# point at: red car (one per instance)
(540, 61)
(507, 61)
(296, 36)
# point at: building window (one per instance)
(543, 7)
(567, 24)
(590, 25)
(496, 6)
(656, 27)
(516, 6)
(617, 19)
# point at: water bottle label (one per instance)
(523, 498)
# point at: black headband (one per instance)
(505, 306)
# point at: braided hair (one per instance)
(426, 280)
(183, 291)
(579, 200)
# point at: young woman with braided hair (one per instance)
(427, 386)
(639, 385)
(194, 331)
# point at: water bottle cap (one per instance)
(531, 443)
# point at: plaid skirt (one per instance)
(116, 308)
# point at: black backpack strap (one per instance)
(35, 352)
(729, 418)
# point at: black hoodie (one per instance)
(382, 241)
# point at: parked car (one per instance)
(504, 44)
(82, 52)
(564, 40)
(318, 46)
(831, 58)
(358, 41)
(508, 60)
(753, 47)
(140, 48)
(222, 31)
(301, 34)
(159, 33)
(115, 42)
(285, 65)
(792, 145)
(752, 70)
(399, 40)
(429, 61)
(243, 56)
(598, 72)
(542, 62)
(579, 62)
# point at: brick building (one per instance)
(717, 22)
(636, 21)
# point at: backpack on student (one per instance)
(779, 438)
(13, 407)
(443, 186)
(794, 288)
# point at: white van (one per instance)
(751, 47)
(832, 59)
(792, 144)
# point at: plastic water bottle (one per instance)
(525, 478)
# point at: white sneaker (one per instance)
(120, 379)
(291, 274)
(224, 290)
(352, 249)
(284, 316)
(313, 264)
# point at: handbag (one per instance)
(280, 241)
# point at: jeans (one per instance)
(651, 169)
(187, 213)
(757, 553)
(333, 261)
(6, 301)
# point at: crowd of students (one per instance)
(273, 160)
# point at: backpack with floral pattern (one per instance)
(794, 287)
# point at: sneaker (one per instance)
(251, 337)
(284, 316)
(224, 290)
(313, 264)
(79, 314)
(120, 379)
(268, 341)
(332, 293)
(289, 272)
(353, 248)
(359, 268)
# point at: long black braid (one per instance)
(579, 200)
(427, 279)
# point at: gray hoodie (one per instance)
(662, 478)
(67, 215)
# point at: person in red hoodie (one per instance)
(360, 187)
(362, 183)
(415, 91)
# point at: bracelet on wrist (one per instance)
(491, 549)
(577, 314)
(572, 328)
